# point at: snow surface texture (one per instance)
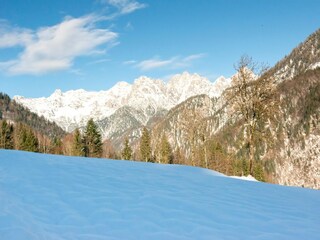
(74, 108)
(57, 197)
(247, 178)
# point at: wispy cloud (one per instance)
(55, 48)
(129, 62)
(13, 36)
(99, 61)
(172, 63)
(6, 65)
(194, 57)
(125, 6)
(77, 72)
(154, 63)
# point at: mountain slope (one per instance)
(57, 197)
(304, 57)
(126, 122)
(14, 112)
(172, 122)
(292, 157)
(299, 134)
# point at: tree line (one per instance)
(88, 143)
(18, 136)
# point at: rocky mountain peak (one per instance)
(73, 108)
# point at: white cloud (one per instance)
(130, 62)
(154, 63)
(173, 63)
(99, 61)
(6, 65)
(13, 36)
(194, 57)
(125, 6)
(77, 72)
(55, 48)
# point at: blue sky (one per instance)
(92, 44)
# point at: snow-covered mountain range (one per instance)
(74, 108)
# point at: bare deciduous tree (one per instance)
(251, 97)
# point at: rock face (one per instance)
(298, 131)
(302, 166)
(138, 103)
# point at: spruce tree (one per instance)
(127, 151)
(56, 146)
(2, 134)
(178, 156)
(9, 137)
(27, 140)
(258, 172)
(77, 144)
(165, 151)
(145, 145)
(6, 135)
(92, 140)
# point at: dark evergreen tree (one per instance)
(6, 135)
(77, 144)
(178, 157)
(258, 172)
(145, 145)
(127, 151)
(27, 140)
(165, 151)
(56, 146)
(92, 140)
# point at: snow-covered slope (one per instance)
(74, 108)
(57, 197)
(304, 57)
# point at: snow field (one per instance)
(58, 197)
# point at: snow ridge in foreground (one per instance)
(58, 197)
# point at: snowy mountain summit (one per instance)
(74, 108)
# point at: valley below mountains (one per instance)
(291, 157)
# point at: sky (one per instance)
(93, 44)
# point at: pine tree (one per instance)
(92, 140)
(56, 146)
(145, 145)
(6, 135)
(165, 151)
(127, 151)
(9, 137)
(178, 156)
(258, 172)
(77, 144)
(3, 134)
(27, 140)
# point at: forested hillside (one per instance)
(12, 111)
